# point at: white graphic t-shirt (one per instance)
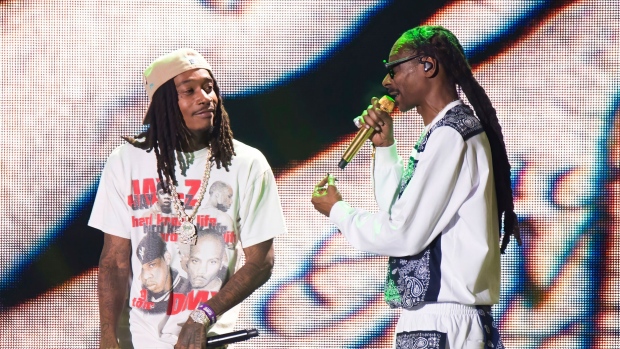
(240, 208)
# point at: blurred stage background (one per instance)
(294, 74)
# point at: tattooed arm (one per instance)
(114, 271)
(252, 275)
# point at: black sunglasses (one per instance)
(390, 65)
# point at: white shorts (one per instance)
(440, 326)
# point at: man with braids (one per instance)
(439, 218)
(187, 144)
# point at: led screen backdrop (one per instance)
(294, 73)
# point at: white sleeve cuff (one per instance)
(386, 156)
(339, 212)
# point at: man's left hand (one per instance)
(193, 336)
(323, 198)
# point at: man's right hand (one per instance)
(193, 336)
(381, 121)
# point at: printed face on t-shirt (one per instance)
(224, 199)
(155, 275)
(205, 260)
(165, 201)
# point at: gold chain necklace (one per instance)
(187, 231)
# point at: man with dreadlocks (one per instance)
(187, 144)
(439, 217)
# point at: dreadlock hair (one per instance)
(169, 136)
(439, 43)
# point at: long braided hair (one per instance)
(439, 43)
(168, 135)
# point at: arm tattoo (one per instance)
(114, 271)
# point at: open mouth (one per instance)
(394, 95)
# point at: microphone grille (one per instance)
(386, 103)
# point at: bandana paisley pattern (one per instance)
(408, 281)
(492, 339)
(421, 340)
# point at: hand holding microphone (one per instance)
(376, 123)
(378, 126)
